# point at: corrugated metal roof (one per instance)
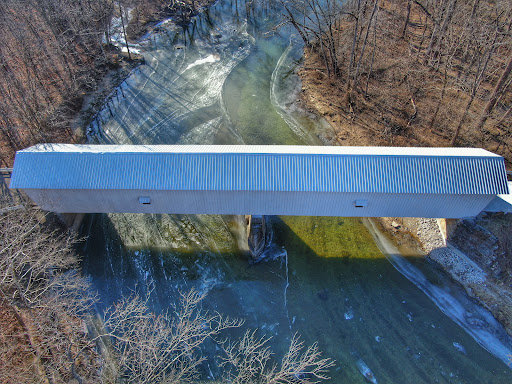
(238, 168)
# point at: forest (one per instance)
(409, 72)
(55, 53)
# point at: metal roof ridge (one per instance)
(263, 150)
(275, 154)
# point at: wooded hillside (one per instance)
(51, 55)
(55, 52)
(410, 72)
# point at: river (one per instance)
(226, 80)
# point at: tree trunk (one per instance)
(441, 99)
(461, 122)
(406, 24)
(436, 41)
(298, 27)
(496, 93)
(356, 74)
(373, 53)
(354, 40)
(124, 32)
(44, 376)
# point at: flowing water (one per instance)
(226, 80)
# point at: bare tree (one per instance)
(52, 51)
(361, 55)
(482, 59)
(47, 301)
(166, 348)
(497, 92)
(248, 361)
(441, 26)
(407, 17)
(316, 22)
(150, 348)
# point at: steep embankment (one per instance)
(476, 255)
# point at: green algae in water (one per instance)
(246, 96)
(344, 237)
(178, 233)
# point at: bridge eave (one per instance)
(261, 203)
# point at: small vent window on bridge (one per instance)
(360, 203)
(144, 200)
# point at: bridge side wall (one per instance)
(261, 203)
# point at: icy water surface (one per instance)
(225, 80)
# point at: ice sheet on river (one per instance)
(177, 90)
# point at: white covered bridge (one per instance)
(261, 180)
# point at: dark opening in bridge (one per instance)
(144, 200)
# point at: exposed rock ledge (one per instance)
(476, 255)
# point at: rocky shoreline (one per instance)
(422, 236)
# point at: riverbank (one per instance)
(402, 96)
(484, 279)
(144, 17)
(103, 94)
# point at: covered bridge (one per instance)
(261, 180)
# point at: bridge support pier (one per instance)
(72, 221)
(447, 226)
(259, 235)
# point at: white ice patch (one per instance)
(132, 50)
(204, 133)
(208, 59)
(349, 315)
(279, 94)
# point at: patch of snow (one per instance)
(208, 59)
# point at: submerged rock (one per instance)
(366, 371)
(459, 348)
